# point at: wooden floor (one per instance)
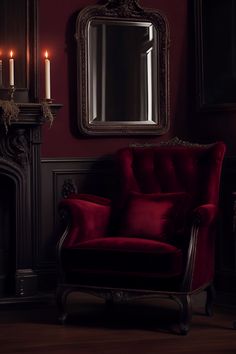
(138, 328)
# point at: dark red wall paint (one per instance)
(56, 33)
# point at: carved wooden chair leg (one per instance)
(185, 305)
(210, 291)
(115, 297)
(61, 297)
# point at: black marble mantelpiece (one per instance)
(20, 165)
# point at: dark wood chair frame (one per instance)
(120, 295)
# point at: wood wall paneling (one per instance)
(85, 176)
(226, 245)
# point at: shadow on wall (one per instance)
(72, 72)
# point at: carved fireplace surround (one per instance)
(20, 206)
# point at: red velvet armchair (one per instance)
(155, 238)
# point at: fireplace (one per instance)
(7, 234)
(20, 207)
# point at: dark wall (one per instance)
(219, 125)
(207, 124)
(56, 33)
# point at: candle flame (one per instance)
(46, 54)
(11, 54)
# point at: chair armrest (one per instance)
(200, 256)
(88, 218)
(205, 214)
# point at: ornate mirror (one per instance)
(123, 74)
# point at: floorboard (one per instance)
(142, 327)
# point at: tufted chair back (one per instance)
(194, 169)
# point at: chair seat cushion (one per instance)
(124, 255)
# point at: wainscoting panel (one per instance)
(226, 242)
(60, 177)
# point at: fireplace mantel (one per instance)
(20, 164)
(32, 113)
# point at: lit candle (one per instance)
(11, 69)
(47, 77)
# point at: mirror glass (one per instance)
(122, 62)
(123, 82)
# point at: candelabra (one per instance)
(11, 92)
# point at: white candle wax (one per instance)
(47, 78)
(11, 70)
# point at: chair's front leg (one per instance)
(185, 304)
(61, 297)
(185, 313)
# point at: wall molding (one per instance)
(88, 175)
(225, 278)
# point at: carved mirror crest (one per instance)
(123, 70)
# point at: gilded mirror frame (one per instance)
(127, 11)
